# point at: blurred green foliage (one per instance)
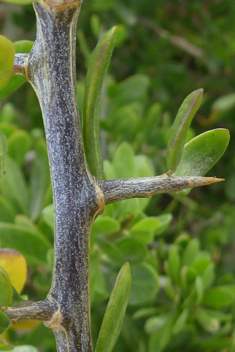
(181, 250)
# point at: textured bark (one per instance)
(42, 310)
(51, 71)
(146, 187)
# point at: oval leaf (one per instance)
(6, 291)
(22, 46)
(94, 81)
(3, 153)
(145, 283)
(4, 322)
(115, 311)
(7, 55)
(15, 265)
(180, 128)
(31, 244)
(202, 153)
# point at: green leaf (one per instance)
(191, 252)
(208, 275)
(123, 122)
(133, 88)
(115, 311)
(164, 222)
(15, 82)
(202, 153)
(173, 263)
(48, 215)
(105, 225)
(109, 172)
(6, 291)
(23, 46)
(153, 324)
(160, 339)
(94, 81)
(180, 128)
(30, 244)
(145, 284)
(180, 322)
(218, 297)
(3, 153)
(7, 55)
(19, 2)
(201, 262)
(208, 322)
(4, 346)
(13, 187)
(199, 289)
(131, 250)
(7, 213)
(124, 161)
(4, 322)
(144, 229)
(18, 145)
(25, 348)
(39, 179)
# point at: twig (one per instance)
(146, 187)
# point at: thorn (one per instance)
(204, 181)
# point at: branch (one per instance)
(42, 310)
(20, 64)
(146, 187)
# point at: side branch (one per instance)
(42, 311)
(146, 187)
(20, 64)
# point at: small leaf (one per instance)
(32, 245)
(25, 348)
(208, 275)
(94, 81)
(7, 213)
(144, 229)
(131, 250)
(15, 82)
(191, 252)
(4, 322)
(3, 153)
(15, 265)
(115, 311)
(4, 346)
(7, 55)
(124, 161)
(48, 215)
(39, 179)
(19, 2)
(202, 153)
(218, 297)
(134, 88)
(13, 187)
(105, 225)
(180, 128)
(23, 46)
(6, 290)
(18, 145)
(145, 284)
(209, 323)
(174, 264)
(153, 324)
(180, 322)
